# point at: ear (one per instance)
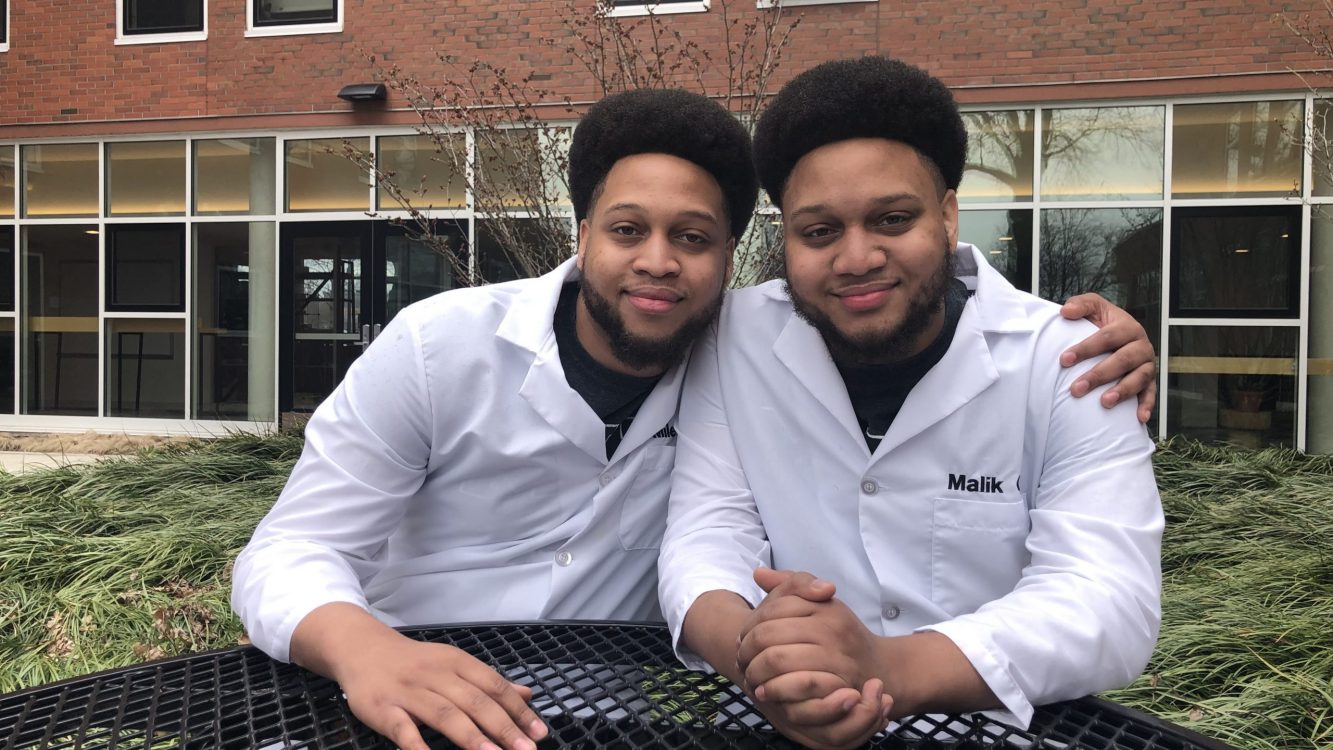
(949, 207)
(583, 243)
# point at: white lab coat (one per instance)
(1046, 576)
(455, 476)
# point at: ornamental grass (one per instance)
(108, 564)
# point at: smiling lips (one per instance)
(655, 300)
(864, 297)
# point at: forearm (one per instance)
(325, 638)
(927, 673)
(711, 628)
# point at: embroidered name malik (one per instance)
(980, 484)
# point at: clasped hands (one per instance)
(810, 665)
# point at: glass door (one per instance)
(342, 283)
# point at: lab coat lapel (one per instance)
(657, 411)
(528, 325)
(967, 368)
(802, 351)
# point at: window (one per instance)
(279, 17)
(789, 3)
(145, 268)
(4, 25)
(146, 21)
(657, 7)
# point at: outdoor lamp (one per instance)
(363, 92)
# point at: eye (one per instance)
(818, 231)
(894, 219)
(625, 230)
(694, 238)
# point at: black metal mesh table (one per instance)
(597, 685)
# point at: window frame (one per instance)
(111, 271)
(165, 37)
(292, 29)
(650, 8)
(4, 25)
(766, 4)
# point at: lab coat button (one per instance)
(891, 611)
(564, 558)
(604, 479)
(869, 487)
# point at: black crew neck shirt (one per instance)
(613, 396)
(877, 392)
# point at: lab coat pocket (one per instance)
(978, 551)
(644, 511)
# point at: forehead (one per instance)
(664, 177)
(856, 166)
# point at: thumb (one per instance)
(1090, 306)
(769, 579)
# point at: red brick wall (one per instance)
(63, 65)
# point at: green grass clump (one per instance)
(107, 564)
(128, 559)
(1246, 649)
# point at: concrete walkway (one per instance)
(16, 462)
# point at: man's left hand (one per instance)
(1132, 358)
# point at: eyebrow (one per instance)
(883, 200)
(693, 213)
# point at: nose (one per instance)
(656, 257)
(860, 253)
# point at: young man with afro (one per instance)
(504, 453)
(885, 500)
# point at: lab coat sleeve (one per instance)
(366, 452)
(1084, 616)
(714, 537)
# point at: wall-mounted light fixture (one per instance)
(363, 92)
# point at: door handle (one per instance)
(365, 336)
(375, 331)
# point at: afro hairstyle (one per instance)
(868, 97)
(664, 121)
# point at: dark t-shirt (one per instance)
(614, 397)
(877, 392)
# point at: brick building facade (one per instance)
(159, 156)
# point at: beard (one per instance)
(641, 352)
(891, 344)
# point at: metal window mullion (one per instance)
(187, 410)
(103, 195)
(1307, 240)
(470, 169)
(1035, 273)
(1164, 308)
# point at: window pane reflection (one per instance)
(60, 179)
(427, 178)
(518, 168)
(60, 320)
(6, 269)
(145, 368)
(6, 365)
(145, 178)
(234, 286)
(1233, 384)
(539, 253)
(1105, 153)
(234, 176)
(1237, 149)
(1115, 252)
(7, 178)
(321, 178)
(1233, 261)
(1005, 238)
(1319, 409)
(145, 267)
(415, 270)
(999, 157)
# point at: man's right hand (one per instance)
(394, 683)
